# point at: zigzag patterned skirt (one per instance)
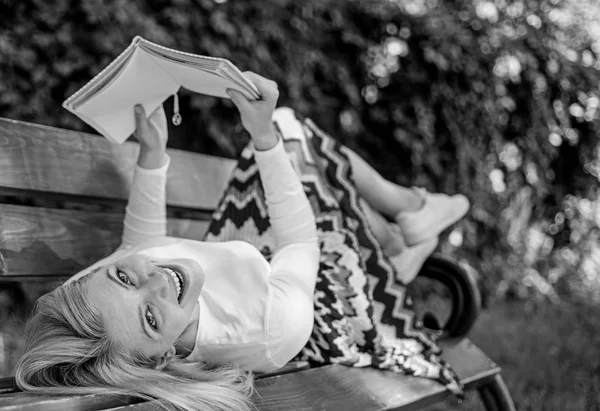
(363, 317)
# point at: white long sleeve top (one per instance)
(252, 314)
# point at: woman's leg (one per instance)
(406, 260)
(383, 195)
(420, 215)
(388, 235)
(393, 198)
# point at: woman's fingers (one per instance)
(141, 122)
(242, 104)
(151, 132)
(268, 88)
(257, 114)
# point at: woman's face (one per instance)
(147, 302)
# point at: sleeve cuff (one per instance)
(276, 150)
(154, 171)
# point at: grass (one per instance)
(550, 354)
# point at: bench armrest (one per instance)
(466, 299)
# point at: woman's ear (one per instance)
(163, 360)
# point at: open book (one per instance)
(146, 73)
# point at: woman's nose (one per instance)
(158, 283)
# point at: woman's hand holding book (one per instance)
(257, 114)
(152, 134)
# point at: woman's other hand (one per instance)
(151, 131)
(152, 134)
(257, 115)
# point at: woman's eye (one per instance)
(123, 277)
(151, 320)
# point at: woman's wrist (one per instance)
(151, 158)
(265, 140)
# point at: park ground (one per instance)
(549, 354)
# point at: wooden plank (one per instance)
(34, 402)
(337, 388)
(44, 158)
(40, 241)
(7, 385)
(290, 367)
(341, 388)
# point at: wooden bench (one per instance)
(62, 201)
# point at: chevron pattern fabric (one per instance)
(363, 317)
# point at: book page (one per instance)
(103, 80)
(142, 81)
(200, 81)
(211, 65)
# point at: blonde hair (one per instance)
(68, 351)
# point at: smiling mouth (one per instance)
(178, 280)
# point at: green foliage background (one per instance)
(496, 99)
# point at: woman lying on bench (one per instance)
(182, 320)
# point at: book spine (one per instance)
(183, 53)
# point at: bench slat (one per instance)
(42, 158)
(32, 402)
(336, 387)
(7, 385)
(41, 241)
